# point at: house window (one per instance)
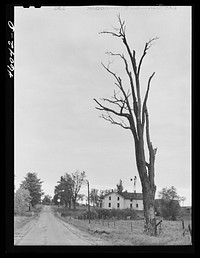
(109, 197)
(118, 205)
(109, 204)
(136, 205)
(131, 205)
(131, 200)
(118, 198)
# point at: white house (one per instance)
(124, 200)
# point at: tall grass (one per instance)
(128, 232)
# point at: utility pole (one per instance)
(88, 200)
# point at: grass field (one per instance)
(130, 232)
(25, 217)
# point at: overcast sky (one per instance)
(58, 55)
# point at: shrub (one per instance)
(65, 212)
(168, 209)
(99, 213)
(93, 214)
(102, 213)
(21, 201)
(117, 213)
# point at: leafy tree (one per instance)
(104, 192)
(94, 197)
(78, 180)
(168, 205)
(34, 185)
(22, 200)
(63, 190)
(127, 109)
(120, 187)
(55, 199)
(46, 200)
(68, 188)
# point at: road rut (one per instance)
(50, 230)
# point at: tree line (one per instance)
(29, 193)
(67, 190)
(67, 193)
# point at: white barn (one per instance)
(124, 200)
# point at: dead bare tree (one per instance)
(128, 106)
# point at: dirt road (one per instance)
(50, 230)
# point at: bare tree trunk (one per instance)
(149, 211)
(74, 204)
(148, 189)
(128, 105)
(69, 204)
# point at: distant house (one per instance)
(124, 200)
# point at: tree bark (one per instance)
(135, 111)
(149, 210)
(74, 205)
(146, 174)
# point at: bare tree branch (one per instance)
(121, 30)
(130, 78)
(152, 151)
(145, 100)
(110, 119)
(134, 114)
(130, 115)
(119, 85)
(111, 110)
(116, 102)
(113, 54)
(133, 61)
(147, 46)
(137, 102)
(149, 144)
(107, 68)
(111, 33)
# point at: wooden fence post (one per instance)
(183, 225)
(155, 225)
(159, 223)
(160, 227)
(190, 230)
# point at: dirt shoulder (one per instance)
(22, 225)
(48, 228)
(94, 239)
(126, 232)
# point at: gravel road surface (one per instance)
(50, 230)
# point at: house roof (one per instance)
(127, 195)
(134, 196)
